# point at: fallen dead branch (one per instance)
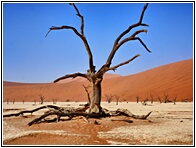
(71, 112)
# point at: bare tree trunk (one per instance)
(96, 98)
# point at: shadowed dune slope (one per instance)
(174, 79)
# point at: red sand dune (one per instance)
(172, 79)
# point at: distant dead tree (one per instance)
(7, 100)
(109, 98)
(41, 97)
(23, 101)
(13, 101)
(159, 98)
(166, 98)
(137, 98)
(174, 99)
(117, 99)
(152, 99)
(34, 101)
(54, 100)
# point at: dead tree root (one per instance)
(71, 112)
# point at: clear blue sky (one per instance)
(30, 57)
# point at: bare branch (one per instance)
(82, 37)
(143, 11)
(132, 37)
(71, 76)
(121, 64)
(117, 44)
(132, 26)
(138, 32)
(31, 111)
(137, 38)
(64, 27)
(81, 18)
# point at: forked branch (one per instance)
(132, 37)
(81, 18)
(80, 35)
(132, 26)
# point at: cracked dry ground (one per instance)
(170, 125)
(72, 132)
(155, 131)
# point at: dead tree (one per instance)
(13, 101)
(159, 98)
(109, 98)
(117, 99)
(34, 101)
(152, 99)
(54, 100)
(41, 97)
(174, 99)
(94, 76)
(166, 97)
(137, 98)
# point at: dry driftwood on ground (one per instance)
(71, 112)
